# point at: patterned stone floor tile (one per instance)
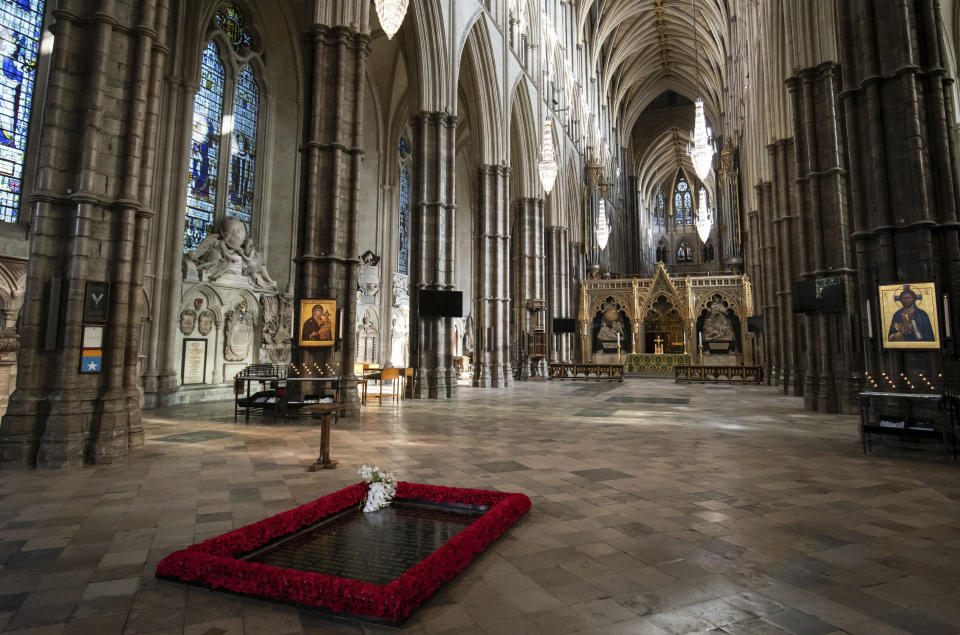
(735, 512)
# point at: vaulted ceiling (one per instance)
(645, 50)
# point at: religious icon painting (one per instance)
(317, 322)
(908, 315)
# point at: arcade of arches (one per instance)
(188, 188)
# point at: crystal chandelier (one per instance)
(702, 149)
(548, 163)
(391, 13)
(603, 231)
(704, 218)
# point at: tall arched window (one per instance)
(682, 202)
(403, 253)
(227, 102)
(659, 211)
(20, 24)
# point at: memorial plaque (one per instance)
(194, 367)
(376, 547)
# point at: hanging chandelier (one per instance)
(704, 218)
(603, 230)
(702, 149)
(391, 13)
(548, 163)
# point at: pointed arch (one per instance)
(422, 37)
(523, 144)
(478, 66)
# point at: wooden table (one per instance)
(371, 374)
(324, 411)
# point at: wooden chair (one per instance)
(393, 376)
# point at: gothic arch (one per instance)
(626, 304)
(523, 146)
(726, 297)
(422, 43)
(483, 92)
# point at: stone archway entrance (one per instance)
(663, 330)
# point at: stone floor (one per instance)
(657, 508)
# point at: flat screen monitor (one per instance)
(803, 293)
(434, 303)
(564, 325)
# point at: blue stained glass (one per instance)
(231, 21)
(403, 255)
(20, 22)
(243, 147)
(659, 207)
(683, 203)
(205, 148)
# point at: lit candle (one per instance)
(700, 339)
(340, 327)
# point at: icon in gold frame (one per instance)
(909, 316)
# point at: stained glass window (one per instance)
(243, 147)
(659, 207)
(231, 22)
(205, 149)
(403, 255)
(20, 22)
(683, 202)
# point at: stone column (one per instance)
(530, 262)
(757, 279)
(904, 163)
(327, 256)
(58, 417)
(784, 204)
(557, 272)
(768, 287)
(822, 248)
(576, 266)
(491, 285)
(730, 236)
(434, 255)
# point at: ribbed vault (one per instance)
(644, 49)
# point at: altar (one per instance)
(656, 323)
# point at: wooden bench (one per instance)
(589, 372)
(692, 372)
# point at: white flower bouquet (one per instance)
(382, 488)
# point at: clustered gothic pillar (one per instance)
(768, 283)
(434, 253)
(731, 241)
(530, 265)
(754, 268)
(577, 262)
(95, 232)
(904, 165)
(831, 377)
(786, 248)
(327, 257)
(492, 284)
(558, 272)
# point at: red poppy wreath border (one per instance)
(214, 564)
